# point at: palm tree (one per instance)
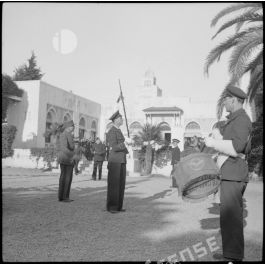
(148, 136)
(247, 45)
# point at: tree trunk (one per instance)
(148, 160)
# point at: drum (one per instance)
(197, 176)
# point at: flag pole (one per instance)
(121, 95)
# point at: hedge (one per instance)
(49, 154)
(8, 136)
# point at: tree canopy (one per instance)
(28, 72)
(246, 44)
(9, 88)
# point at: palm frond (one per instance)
(256, 61)
(220, 104)
(216, 53)
(148, 133)
(256, 82)
(255, 9)
(242, 52)
(239, 25)
(233, 8)
(247, 17)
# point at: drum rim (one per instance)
(217, 177)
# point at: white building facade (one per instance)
(43, 104)
(179, 117)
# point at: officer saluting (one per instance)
(234, 172)
(116, 165)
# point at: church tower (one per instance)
(149, 88)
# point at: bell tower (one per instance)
(149, 87)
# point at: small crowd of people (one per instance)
(234, 143)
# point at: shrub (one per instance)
(8, 136)
(49, 154)
(255, 157)
(163, 156)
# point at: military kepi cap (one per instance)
(236, 92)
(175, 140)
(115, 116)
(68, 124)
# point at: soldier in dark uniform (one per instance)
(175, 159)
(234, 173)
(116, 165)
(99, 150)
(65, 159)
(191, 148)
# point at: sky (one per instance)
(117, 41)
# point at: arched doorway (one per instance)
(165, 131)
(50, 119)
(67, 117)
(134, 128)
(82, 128)
(192, 129)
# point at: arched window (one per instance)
(192, 129)
(67, 117)
(135, 127)
(193, 126)
(50, 119)
(164, 126)
(82, 128)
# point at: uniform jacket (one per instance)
(100, 151)
(78, 151)
(117, 148)
(175, 155)
(66, 148)
(238, 129)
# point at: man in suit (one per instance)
(234, 171)
(99, 150)
(116, 165)
(175, 159)
(65, 159)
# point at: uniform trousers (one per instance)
(231, 218)
(116, 186)
(65, 181)
(174, 182)
(97, 165)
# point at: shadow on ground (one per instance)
(214, 222)
(38, 228)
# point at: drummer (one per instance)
(234, 172)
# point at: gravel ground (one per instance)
(157, 223)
